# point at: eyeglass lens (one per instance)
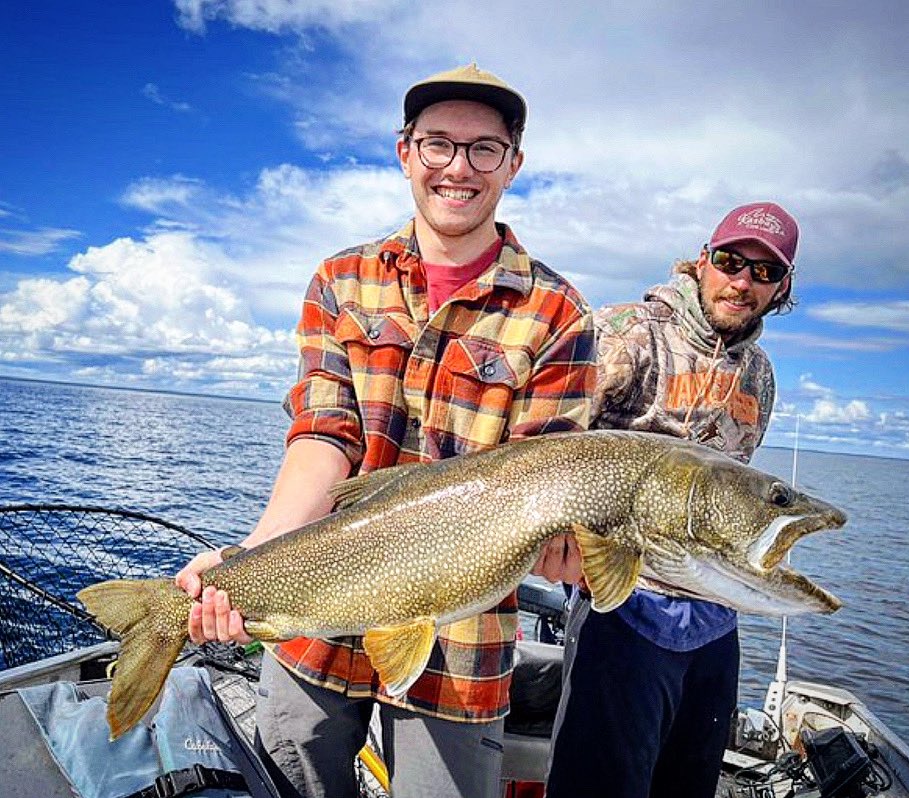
(762, 271)
(484, 155)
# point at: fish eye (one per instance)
(781, 494)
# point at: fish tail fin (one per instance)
(150, 618)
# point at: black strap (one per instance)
(190, 780)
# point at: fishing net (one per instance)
(50, 552)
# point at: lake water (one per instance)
(207, 464)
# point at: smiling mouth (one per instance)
(463, 194)
(739, 303)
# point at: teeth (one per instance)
(456, 193)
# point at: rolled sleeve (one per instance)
(323, 404)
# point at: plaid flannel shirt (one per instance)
(509, 355)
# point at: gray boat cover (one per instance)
(187, 731)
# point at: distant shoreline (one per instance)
(164, 391)
(230, 398)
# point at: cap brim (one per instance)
(507, 103)
(722, 242)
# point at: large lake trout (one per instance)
(416, 546)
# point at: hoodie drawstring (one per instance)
(707, 384)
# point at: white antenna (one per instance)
(776, 691)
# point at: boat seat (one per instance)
(535, 688)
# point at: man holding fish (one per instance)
(649, 689)
(442, 339)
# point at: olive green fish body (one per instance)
(414, 547)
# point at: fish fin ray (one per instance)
(400, 653)
(150, 617)
(263, 630)
(611, 569)
(354, 490)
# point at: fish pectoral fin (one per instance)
(399, 653)
(356, 489)
(610, 568)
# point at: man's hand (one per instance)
(212, 618)
(560, 560)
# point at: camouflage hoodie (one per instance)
(662, 368)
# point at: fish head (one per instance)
(721, 530)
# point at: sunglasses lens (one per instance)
(768, 271)
(727, 262)
(762, 271)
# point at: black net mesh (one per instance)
(50, 552)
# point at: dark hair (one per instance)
(515, 131)
(780, 306)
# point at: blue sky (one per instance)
(172, 172)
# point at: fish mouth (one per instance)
(776, 592)
(781, 534)
(758, 582)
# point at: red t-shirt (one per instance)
(443, 280)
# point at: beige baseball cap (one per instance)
(466, 83)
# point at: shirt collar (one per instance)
(512, 267)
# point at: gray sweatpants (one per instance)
(311, 735)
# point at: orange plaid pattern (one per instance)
(508, 355)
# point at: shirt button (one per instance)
(415, 423)
(488, 370)
(373, 334)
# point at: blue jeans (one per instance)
(309, 737)
(636, 720)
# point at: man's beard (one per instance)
(734, 329)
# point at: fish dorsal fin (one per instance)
(610, 568)
(399, 653)
(356, 489)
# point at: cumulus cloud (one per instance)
(208, 298)
(828, 411)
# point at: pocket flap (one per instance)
(391, 329)
(486, 361)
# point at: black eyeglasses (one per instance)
(762, 271)
(484, 155)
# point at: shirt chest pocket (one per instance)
(375, 344)
(475, 388)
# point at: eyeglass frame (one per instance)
(466, 145)
(751, 263)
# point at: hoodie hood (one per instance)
(682, 296)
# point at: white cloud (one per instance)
(828, 411)
(892, 315)
(161, 195)
(275, 16)
(808, 386)
(208, 298)
(35, 242)
(153, 93)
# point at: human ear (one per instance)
(403, 150)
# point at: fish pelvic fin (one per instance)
(610, 568)
(400, 653)
(150, 618)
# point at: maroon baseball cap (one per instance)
(764, 222)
